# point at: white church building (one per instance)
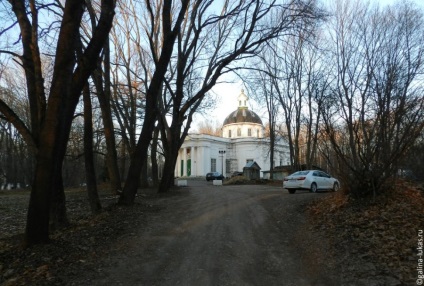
(242, 142)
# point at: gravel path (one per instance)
(220, 235)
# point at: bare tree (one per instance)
(262, 88)
(93, 196)
(203, 56)
(16, 156)
(210, 128)
(52, 115)
(373, 111)
(164, 22)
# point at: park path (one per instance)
(220, 235)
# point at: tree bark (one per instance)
(153, 156)
(144, 181)
(140, 153)
(167, 180)
(90, 173)
(67, 83)
(104, 97)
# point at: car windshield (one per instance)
(300, 173)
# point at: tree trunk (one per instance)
(171, 145)
(66, 86)
(167, 180)
(140, 154)
(58, 216)
(144, 182)
(271, 149)
(153, 156)
(90, 173)
(104, 97)
(170, 34)
(37, 227)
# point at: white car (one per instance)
(312, 180)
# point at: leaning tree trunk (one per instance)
(171, 147)
(140, 153)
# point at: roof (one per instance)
(242, 115)
(252, 165)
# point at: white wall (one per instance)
(244, 130)
(205, 147)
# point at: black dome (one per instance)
(242, 115)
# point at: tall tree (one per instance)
(211, 45)
(51, 116)
(102, 82)
(263, 89)
(164, 22)
(373, 112)
(90, 173)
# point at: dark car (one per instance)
(214, 176)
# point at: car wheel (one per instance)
(335, 187)
(314, 188)
(292, 191)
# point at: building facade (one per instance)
(242, 142)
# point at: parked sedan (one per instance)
(312, 180)
(214, 176)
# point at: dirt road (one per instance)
(220, 235)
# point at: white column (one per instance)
(189, 156)
(224, 159)
(206, 159)
(196, 159)
(178, 165)
(185, 162)
(201, 160)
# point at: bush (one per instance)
(238, 180)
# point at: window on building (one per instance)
(257, 133)
(249, 132)
(239, 132)
(249, 161)
(228, 165)
(229, 133)
(213, 165)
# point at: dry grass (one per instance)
(383, 230)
